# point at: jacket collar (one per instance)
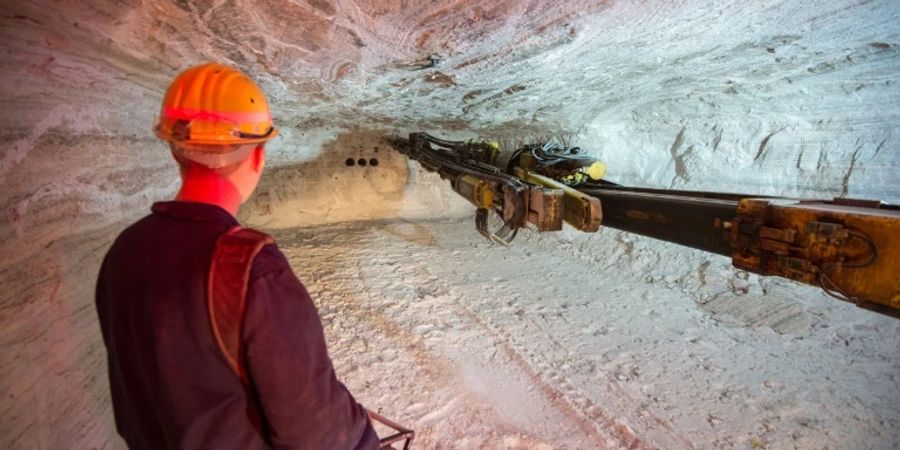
(199, 212)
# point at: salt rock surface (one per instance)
(768, 97)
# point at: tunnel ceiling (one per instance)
(769, 97)
(457, 65)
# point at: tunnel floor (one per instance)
(592, 341)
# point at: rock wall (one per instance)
(771, 97)
(806, 107)
(354, 176)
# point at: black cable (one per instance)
(835, 291)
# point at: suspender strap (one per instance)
(226, 296)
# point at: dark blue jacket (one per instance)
(171, 386)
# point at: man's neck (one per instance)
(206, 186)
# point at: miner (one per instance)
(212, 341)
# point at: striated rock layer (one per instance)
(769, 97)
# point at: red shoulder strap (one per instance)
(226, 295)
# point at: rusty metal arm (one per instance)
(685, 219)
(849, 248)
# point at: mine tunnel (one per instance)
(558, 340)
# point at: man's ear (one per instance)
(259, 158)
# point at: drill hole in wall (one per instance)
(361, 162)
(373, 162)
(349, 162)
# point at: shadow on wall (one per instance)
(356, 176)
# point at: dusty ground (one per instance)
(592, 341)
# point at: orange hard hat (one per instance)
(213, 105)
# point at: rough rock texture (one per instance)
(772, 97)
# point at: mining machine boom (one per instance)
(849, 248)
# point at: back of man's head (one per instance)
(217, 121)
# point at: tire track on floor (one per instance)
(595, 422)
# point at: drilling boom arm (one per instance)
(849, 248)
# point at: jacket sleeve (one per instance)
(304, 404)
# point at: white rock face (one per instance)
(778, 100)
(771, 97)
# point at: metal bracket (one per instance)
(402, 434)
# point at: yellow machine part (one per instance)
(595, 171)
(477, 191)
